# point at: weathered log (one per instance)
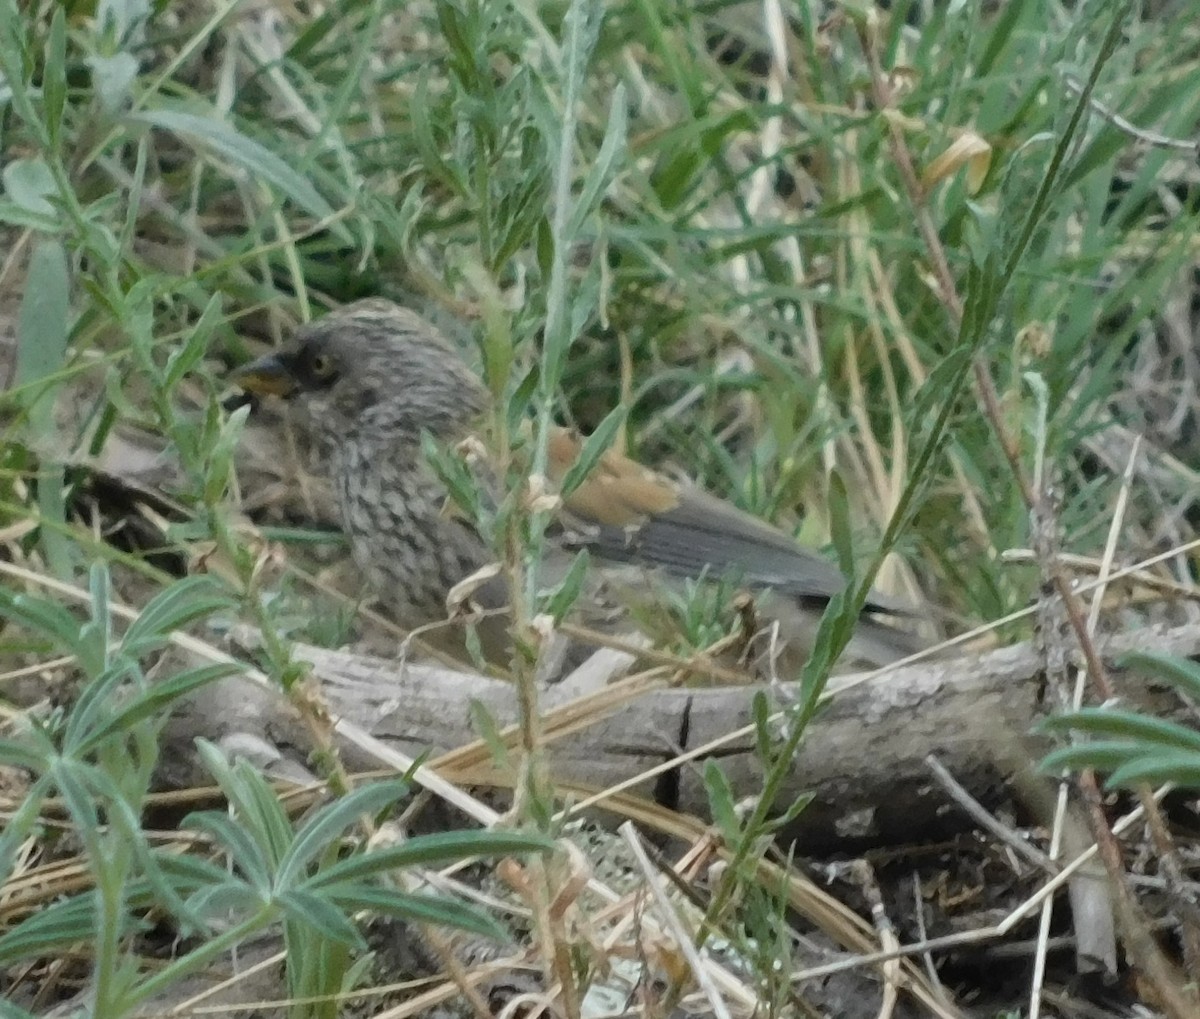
(862, 760)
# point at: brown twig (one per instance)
(983, 818)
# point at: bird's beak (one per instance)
(268, 376)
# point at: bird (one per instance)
(374, 377)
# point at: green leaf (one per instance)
(793, 811)
(18, 215)
(15, 87)
(839, 526)
(600, 174)
(16, 754)
(485, 726)
(94, 705)
(253, 157)
(432, 851)
(220, 456)
(594, 447)
(157, 699)
(185, 358)
(172, 609)
(1181, 769)
(113, 76)
(518, 404)
(721, 802)
(190, 873)
(42, 333)
(243, 849)
(1183, 673)
(1102, 755)
(415, 908)
(320, 913)
(43, 330)
(328, 825)
(453, 473)
(42, 617)
(826, 644)
(21, 823)
(71, 779)
(54, 74)
(29, 184)
(52, 927)
(218, 900)
(764, 738)
(559, 601)
(426, 143)
(95, 636)
(254, 802)
(1126, 725)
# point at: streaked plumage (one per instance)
(373, 376)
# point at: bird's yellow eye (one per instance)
(321, 365)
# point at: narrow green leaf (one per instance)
(15, 214)
(254, 803)
(721, 802)
(51, 927)
(158, 699)
(171, 609)
(453, 473)
(16, 754)
(1126, 725)
(594, 447)
(43, 330)
(319, 912)
(764, 738)
(95, 637)
(215, 902)
(1181, 769)
(485, 727)
(190, 873)
(601, 173)
(22, 822)
(244, 851)
(42, 617)
(253, 157)
(562, 598)
(328, 825)
(220, 456)
(54, 75)
(840, 528)
(14, 66)
(432, 850)
(825, 646)
(793, 811)
(185, 358)
(1103, 755)
(415, 908)
(94, 706)
(518, 404)
(69, 777)
(1181, 672)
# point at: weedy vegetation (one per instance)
(907, 282)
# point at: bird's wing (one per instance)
(626, 513)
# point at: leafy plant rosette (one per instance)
(229, 875)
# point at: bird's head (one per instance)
(373, 370)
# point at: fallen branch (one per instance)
(863, 760)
